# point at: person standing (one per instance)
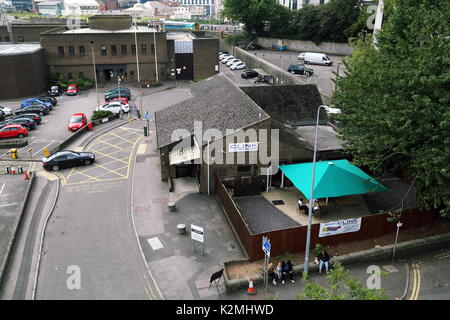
(286, 269)
(324, 259)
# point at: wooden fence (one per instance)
(294, 239)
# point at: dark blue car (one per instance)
(36, 102)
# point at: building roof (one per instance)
(140, 29)
(49, 3)
(327, 138)
(12, 49)
(217, 102)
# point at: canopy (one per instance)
(335, 178)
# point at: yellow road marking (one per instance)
(114, 172)
(130, 129)
(121, 137)
(110, 144)
(110, 156)
(85, 174)
(416, 285)
(111, 171)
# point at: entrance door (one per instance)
(184, 66)
(107, 74)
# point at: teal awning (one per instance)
(335, 178)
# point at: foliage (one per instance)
(395, 100)
(336, 20)
(340, 287)
(317, 249)
(99, 114)
(59, 80)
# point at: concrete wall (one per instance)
(24, 75)
(206, 58)
(307, 46)
(26, 32)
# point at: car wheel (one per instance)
(20, 136)
(87, 162)
(55, 167)
(308, 74)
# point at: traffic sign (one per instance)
(266, 246)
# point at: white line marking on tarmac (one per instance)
(42, 149)
(3, 186)
(8, 205)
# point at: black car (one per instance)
(2, 115)
(67, 159)
(55, 91)
(26, 122)
(246, 74)
(32, 109)
(116, 95)
(299, 69)
(33, 116)
(52, 100)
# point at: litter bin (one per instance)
(13, 153)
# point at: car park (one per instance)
(36, 102)
(6, 111)
(117, 95)
(33, 116)
(55, 91)
(72, 90)
(115, 107)
(76, 122)
(13, 131)
(232, 61)
(221, 56)
(67, 159)
(121, 99)
(39, 109)
(52, 100)
(315, 58)
(26, 122)
(299, 69)
(223, 52)
(249, 73)
(238, 66)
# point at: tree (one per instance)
(305, 23)
(395, 99)
(340, 287)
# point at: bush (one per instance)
(317, 249)
(101, 114)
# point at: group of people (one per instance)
(303, 206)
(284, 269)
(281, 272)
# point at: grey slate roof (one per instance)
(217, 102)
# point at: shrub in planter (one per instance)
(101, 114)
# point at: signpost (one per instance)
(197, 234)
(399, 224)
(266, 248)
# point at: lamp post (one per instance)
(95, 74)
(156, 56)
(311, 195)
(137, 50)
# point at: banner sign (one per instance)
(339, 227)
(197, 233)
(242, 147)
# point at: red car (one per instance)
(121, 99)
(76, 122)
(72, 90)
(13, 131)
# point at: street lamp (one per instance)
(95, 73)
(311, 195)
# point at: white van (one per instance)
(315, 58)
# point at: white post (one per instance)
(137, 51)
(95, 74)
(399, 224)
(156, 55)
(207, 148)
(282, 179)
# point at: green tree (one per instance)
(339, 287)
(305, 23)
(395, 99)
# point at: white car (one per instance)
(238, 66)
(115, 107)
(6, 111)
(232, 61)
(223, 55)
(225, 60)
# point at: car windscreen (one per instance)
(76, 119)
(72, 87)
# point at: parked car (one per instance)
(116, 95)
(52, 100)
(121, 99)
(315, 58)
(122, 90)
(115, 107)
(232, 61)
(39, 109)
(224, 55)
(2, 115)
(223, 52)
(13, 131)
(55, 91)
(6, 111)
(67, 159)
(72, 90)
(238, 66)
(249, 73)
(299, 69)
(33, 116)
(225, 60)
(76, 122)
(26, 122)
(36, 102)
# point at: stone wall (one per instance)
(332, 48)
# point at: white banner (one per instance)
(197, 233)
(339, 227)
(242, 147)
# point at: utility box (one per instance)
(14, 154)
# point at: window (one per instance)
(61, 51)
(153, 49)
(114, 50)
(71, 51)
(132, 74)
(81, 74)
(144, 49)
(104, 51)
(69, 75)
(133, 49)
(124, 50)
(7, 39)
(242, 169)
(82, 51)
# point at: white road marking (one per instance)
(390, 268)
(3, 186)
(155, 243)
(8, 205)
(42, 149)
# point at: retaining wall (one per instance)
(332, 48)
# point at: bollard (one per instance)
(13, 153)
(20, 169)
(145, 131)
(8, 169)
